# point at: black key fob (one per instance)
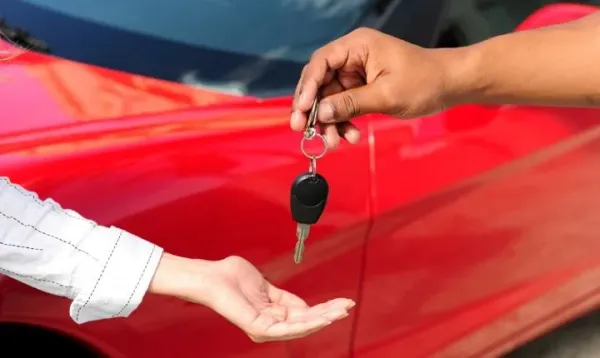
(308, 198)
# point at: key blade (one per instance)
(302, 231)
(298, 252)
(302, 234)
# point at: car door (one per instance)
(478, 211)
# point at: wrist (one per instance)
(177, 276)
(463, 76)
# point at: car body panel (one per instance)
(450, 231)
(464, 250)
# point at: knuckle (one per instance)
(337, 46)
(320, 56)
(363, 31)
(350, 105)
(316, 55)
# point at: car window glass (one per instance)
(242, 46)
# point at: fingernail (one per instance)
(325, 112)
(352, 304)
(332, 143)
(353, 137)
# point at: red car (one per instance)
(465, 234)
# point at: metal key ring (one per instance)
(319, 156)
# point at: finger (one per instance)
(284, 298)
(335, 315)
(314, 312)
(332, 88)
(286, 331)
(300, 117)
(345, 130)
(331, 134)
(299, 315)
(329, 130)
(348, 131)
(350, 79)
(298, 121)
(344, 303)
(278, 312)
(298, 87)
(322, 64)
(330, 306)
(346, 105)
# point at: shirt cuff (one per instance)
(116, 284)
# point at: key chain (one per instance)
(310, 190)
(311, 133)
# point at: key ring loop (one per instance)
(320, 155)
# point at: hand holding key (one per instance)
(365, 72)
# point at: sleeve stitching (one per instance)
(137, 284)
(35, 279)
(20, 246)
(99, 277)
(44, 233)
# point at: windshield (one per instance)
(254, 47)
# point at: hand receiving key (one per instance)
(309, 190)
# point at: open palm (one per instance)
(240, 293)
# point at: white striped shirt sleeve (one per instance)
(105, 271)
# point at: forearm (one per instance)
(176, 276)
(557, 65)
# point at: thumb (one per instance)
(351, 103)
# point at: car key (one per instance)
(308, 198)
(309, 190)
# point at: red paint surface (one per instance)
(457, 234)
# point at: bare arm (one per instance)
(367, 71)
(557, 65)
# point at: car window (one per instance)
(241, 46)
